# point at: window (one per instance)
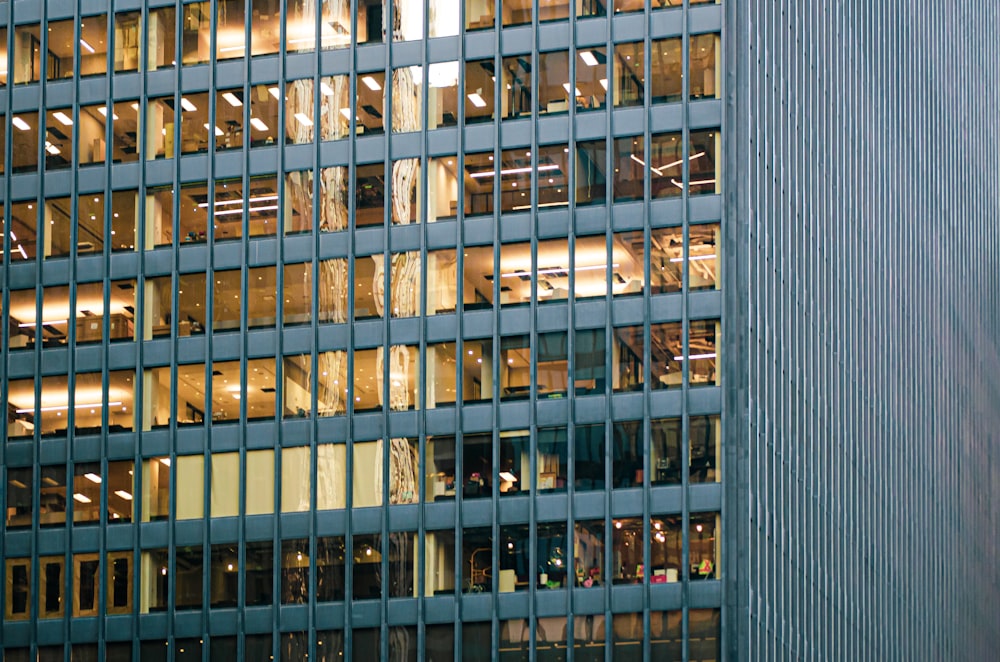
(160, 30)
(295, 571)
(554, 90)
(552, 461)
(479, 14)
(334, 109)
(156, 489)
(440, 463)
(299, 117)
(18, 593)
(87, 480)
(24, 141)
(406, 97)
(591, 78)
(588, 564)
(515, 85)
(20, 491)
(259, 559)
(160, 128)
(442, 93)
(370, 105)
(331, 559)
(59, 129)
(480, 101)
(589, 457)
(196, 27)
(128, 32)
(367, 553)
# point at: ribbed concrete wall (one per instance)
(862, 329)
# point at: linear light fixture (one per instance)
(508, 476)
(21, 124)
(325, 89)
(187, 105)
(304, 119)
(514, 171)
(695, 357)
(230, 212)
(371, 83)
(239, 201)
(92, 477)
(477, 100)
(588, 58)
(81, 498)
(103, 110)
(233, 100)
(218, 131)
(566, 87)
(123, 494)
(258, 124)
(540, 205)
(65, 407)
(694, 258)
(63, 118)
(90, 49)
(28, 325)
(273, 91)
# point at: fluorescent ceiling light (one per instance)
(50, 148)
(325, 88)
(540, 205)
(21, 124)
(588, 58)
(165, 461)
(26, 325)
(514, 171)
(233, 100)
(103, 110)
(566, 87)
(273, 91)
(258, 124)
(304, 119)
(89, 48)
(218, 131)
(187, 105)
(123, 494)
(239, 201)
(81, 498)
(695, 357)
(477, 100)
(93, 478)
(694, 258)
(508, 476)
(24, 254)
(346, 112)
(230, 212)
(604, 83)
(63, 118)
(232, 49)
(371, 83)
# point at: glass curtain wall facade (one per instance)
(236, 236)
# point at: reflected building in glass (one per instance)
(377, 330)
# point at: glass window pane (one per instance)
(515, 84)
(367, 556)
(19, 491)
(440, 458)
(477, 560)
(331, 558)
(160, 38)
(629, 75)
(296, 479)
(554, 90)
(370, 105)
(442, 92)
(299, 116)
(190, 479)
(259, 574)
(128, 32)
(331, 476)
(260, 482)
(704, 63)
(196, 31)
(591, 77)
(264, 100)
(480, 101)
(553, 453)
(335, 106)
(666, 63)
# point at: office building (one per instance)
(430, 330)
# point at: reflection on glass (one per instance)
(442, 280)
(480, 100)
(442, 94)
(159, 38)
(515, 85)
(299, 118)
(704, 65)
